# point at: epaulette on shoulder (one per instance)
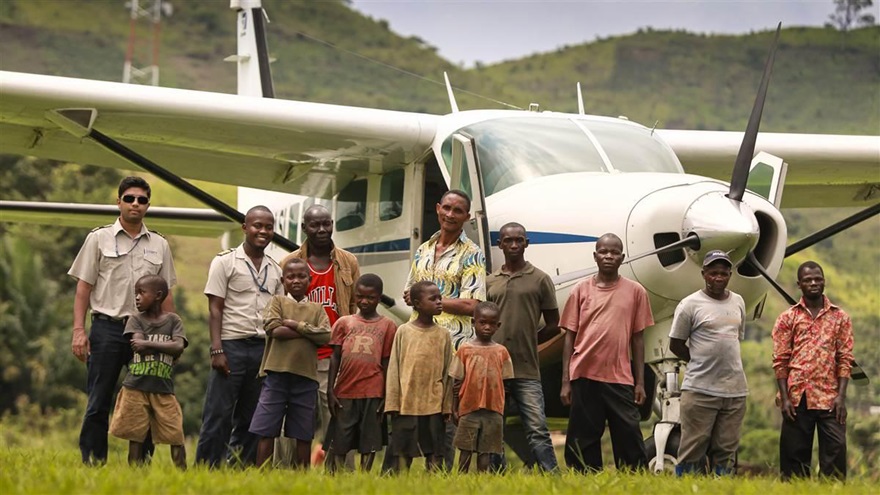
(272, 260)
(102, 227)
(156, 232)
(225, 252)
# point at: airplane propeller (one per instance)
(740, 174)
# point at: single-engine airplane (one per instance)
(568, 178)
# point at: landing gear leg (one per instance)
(667, 431)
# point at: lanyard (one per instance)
(136, 241)
(265, 270)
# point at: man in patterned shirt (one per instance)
(458, 267)
(455, 264)
(812, 358)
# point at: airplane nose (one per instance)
(721, 223)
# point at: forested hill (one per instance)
(822, 82)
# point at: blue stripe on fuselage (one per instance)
(534, 238)
(381, 247)
(549, 238)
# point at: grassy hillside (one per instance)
(680, 79)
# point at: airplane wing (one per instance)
(823, 170)
(295, 147)
(195, 222)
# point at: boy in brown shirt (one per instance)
(294, 328)
(482, 366)
(418, 391)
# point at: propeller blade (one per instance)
(831, 230)
(747, 149)
(752, 260)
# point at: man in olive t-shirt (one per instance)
(524, 294)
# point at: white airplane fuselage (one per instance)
(564, 213)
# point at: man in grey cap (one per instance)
(706, 332)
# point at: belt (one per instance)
(102, 316)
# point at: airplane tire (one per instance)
(670, 456)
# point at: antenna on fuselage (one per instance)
(452, 102)
(580, 100)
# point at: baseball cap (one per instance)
(713, 256)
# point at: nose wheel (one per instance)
(668, 437)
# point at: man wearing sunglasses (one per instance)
(109, 262)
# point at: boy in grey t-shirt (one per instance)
(713, 399)
(146, 402)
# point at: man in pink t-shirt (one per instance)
(604, 318)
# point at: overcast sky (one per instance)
(493, 30)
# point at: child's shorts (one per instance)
(139, 412)
(480, 431)
(415, 436)
(357, 426)
(289, 399)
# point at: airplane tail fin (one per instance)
(254, 73)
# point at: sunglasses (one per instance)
(130, 198)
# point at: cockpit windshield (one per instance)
(512, 150)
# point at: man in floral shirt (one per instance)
(812, 358)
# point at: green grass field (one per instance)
(39, 454)
(55, 469)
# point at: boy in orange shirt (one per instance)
(481, 366)
(356, 382)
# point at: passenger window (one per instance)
(391, 195)
(351, 206)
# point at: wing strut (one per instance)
(833, 229)
(176, 181)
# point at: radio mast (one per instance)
(151, 11)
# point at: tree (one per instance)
(848, 14)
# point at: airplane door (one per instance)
(466, 176)
(767, 177)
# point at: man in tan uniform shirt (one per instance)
(110, 261)
(241, 283)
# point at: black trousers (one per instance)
(230, 402)
(796, 443)
(592, 405)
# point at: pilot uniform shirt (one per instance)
(111, 261)
(714, 329)
(246, 291)
(459, 272)
(522, 297)
(604, 320)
